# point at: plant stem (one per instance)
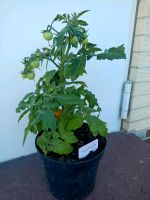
(50, 26)
(55, 30)
(53, 62)
(46, 64)
(63, 60)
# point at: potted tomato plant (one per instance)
(62, 112)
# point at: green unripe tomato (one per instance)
(74, 40)
(30, 75)
(85, 42)
(48, 35)
(34, 63)
(27, 68)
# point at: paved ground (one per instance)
(124, 174)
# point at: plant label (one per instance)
(86, 149)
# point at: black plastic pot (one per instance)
(71, 181)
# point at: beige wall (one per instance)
(138, 120)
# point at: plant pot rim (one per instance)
(76, 162)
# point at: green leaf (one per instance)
(24, 103)
(91, 51)
(113, 53)
(67, 67)
(83, 12)
(39, 126)
(67, 71)
(88, 110)
(27, 96)
(90, 45)
(82, 23)
(78, 66)
(55, 134)
(53, 105)
(26, 131)
(91, 99)
(97, 126)
(48, 119)
(64, 119)
(77, 82)
(38, 85)
(33, 129)
(68, 136)
(75, 122)
(61, 35)
(49, 76)
(34, 122)
(42, 141)
(48, 105)
(89, 57)
(22, 115)
(21, 106)
(59, 18)
(66, 99)
(60, 147)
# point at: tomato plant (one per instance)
(68, 50)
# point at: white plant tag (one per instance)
(86, 149)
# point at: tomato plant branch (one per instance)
(51, 27)
(54, 63)
(55, 30)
